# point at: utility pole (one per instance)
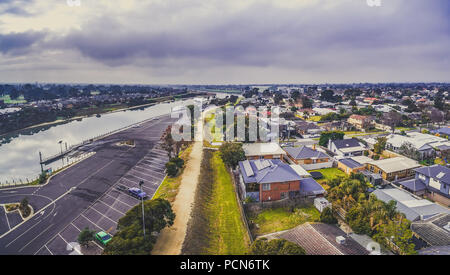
(142, 200)
(40, 162)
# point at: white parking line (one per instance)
(75, 226)
(154, 177)
(110, 206)
(93, 222)
(6, 216)
(117, 199)
(93, 208)
(79, 252)
(48, 249)
(42, 232)
(144, 173)
(148, 169)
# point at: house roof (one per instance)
(320, 239)
(432, 230)
(262, 149)
(445, 131)
(350, 163)
(310, 187)
(438, 172)
(267, 171)
(418, 140)
(413, 185)
(436, 250)
(304, 152)
(396, 164)
(359, 117)
(413, 208)
(347, 143)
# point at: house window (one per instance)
(266, 187)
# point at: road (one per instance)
(86, 190)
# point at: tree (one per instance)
(129, 240)
(326, 136)
(24, 207)
(407, 149)
(178, 161)
(168, 141)
(393, 119)
(232, 153)
(380, 146)
(85, 236)
(436, 116)
(439, 102)
(306, 102)
(275, 247)
(171, 169)
(328, 95)
(327, 216)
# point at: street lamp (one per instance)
(142, 199)
(60, 144)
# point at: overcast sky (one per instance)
(224, 41)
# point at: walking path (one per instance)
(171, 239)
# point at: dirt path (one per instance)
(171, 239)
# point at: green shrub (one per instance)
(178, 161)
(327, 216)
(276, 247)
(171, 169)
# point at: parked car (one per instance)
(103, 237)
(137, 193)
(122, 188)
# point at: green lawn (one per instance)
(7, 99)
(228, 234)
(169, 187)
(328, 174)
(279, 219)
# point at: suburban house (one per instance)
(434, 231)
(442, 131)
(263, 151)
(432, 182)
(307, 128)
(425, 144)
(337, 126)
(353, 164)
(346, 147)
(392, 169)
(360, 122)
(414, 208)
(321, 239)
(309, 158)
(272, 179)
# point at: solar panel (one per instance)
(440, 175)
(248, 169)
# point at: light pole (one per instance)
(60, 144)
(142, 199)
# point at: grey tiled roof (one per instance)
(434, 171)
(277, 171)
(413, 185)
(346, 143)
(304, 152)
(432, 230)
(351, 163)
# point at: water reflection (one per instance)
(19, 155)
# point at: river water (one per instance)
(19, 159)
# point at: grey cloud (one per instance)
(19, 43)
(400, 37)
